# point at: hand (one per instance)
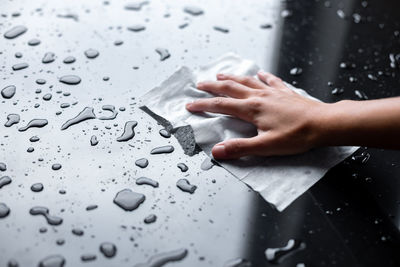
(287, 122)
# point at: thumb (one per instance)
(236, 148)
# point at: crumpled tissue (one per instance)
(279, 180)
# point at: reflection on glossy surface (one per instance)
(345, 220)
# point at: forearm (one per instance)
(373, 123)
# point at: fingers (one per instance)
(223, 105)
(227, 88)
(240, 147)
(244, 80)
(271, 80)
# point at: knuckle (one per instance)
(275, 80)
(218, 101)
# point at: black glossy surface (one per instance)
(350, 218)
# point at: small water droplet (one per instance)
(93, 140)
(37, 187)
(129, 132)
(37, 123)
(20, 66)
(86, 114)
(91, 53)
(88, 257)
(136, 28)
(70, 79)
(33, 42)
(277, 255)
(52, 261)
(52, 220)
(182, 167)
(193, 10)
(40, 81)
(47, 97)
(142, 163)
(78, 232)
(69, 60)
(48, 57)
(162, 150)
(109, 108)
(150, 219)
(56, 166)
(164, 54)
(91, 207)
(11, 120)
(4, 210)
(163, 258)
(221, 29)
(108, 249)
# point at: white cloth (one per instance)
(279, 180)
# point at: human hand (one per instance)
(287, 122)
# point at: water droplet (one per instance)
(69, 60)
(296, 71)
(8, 91)
(52, 261)
(341, 14)
(136, 6)
(137, 28)
(360, 94)
(147, 181)
(164, 54)
(185, 186)
(221, 29)
(78, 232)
(65, 105)
(37, 187)
(165, 133)
(3, 167)
(48, 57)
(56, 166)
(15, 32)
(18, 54)
(91, 207)
(93, 140)
(37, 123)
(47, 97)
(129, 132)
(20, 66)
(88, 257)
(4, 210)
(150, 219)
(193, 10)
(33, 42)
(337, 91)
(142, 163)
(30, 149)
(162, 150)
(108, 249)
(52, 220)
(238, 262)
(91, 53)
(118, 42)
(70, 79)
(40, 81)
(361, 158)
(34, 139)
(12, 263)
(163, 258)
(129, 200)
(207, 164)
(109, 108)
(286, 13)
(60, 241)
(42, 230)
(11, 120)
(277, 255)
(266, 26)
(86, 114)
(182, 167)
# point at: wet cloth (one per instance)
(279, 180)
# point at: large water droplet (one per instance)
(11, 120)
(52, 220)
(162, 150)
(70, 79)
(91, 53)
(109, 108)
(4, 210)
(86, 114)
(15, 32)
(56, 166)
(193, 10)
(8, 91)
(37, 123)
(129, 132)
(277, 255)
(164, 54)
(136, 28)
(20, 66)
(185, 186)
(129, 200)
(147, 181)
(48, 57)
(142, 163)
(108, 249)
(161, 259)
(52, 261)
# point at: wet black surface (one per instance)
(103, 53)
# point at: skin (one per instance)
(289, 123)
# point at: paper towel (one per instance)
(279, 180)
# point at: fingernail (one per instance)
(188, 105)
(219, 151)
(199, 85)
(261, 72)
(220, 75)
